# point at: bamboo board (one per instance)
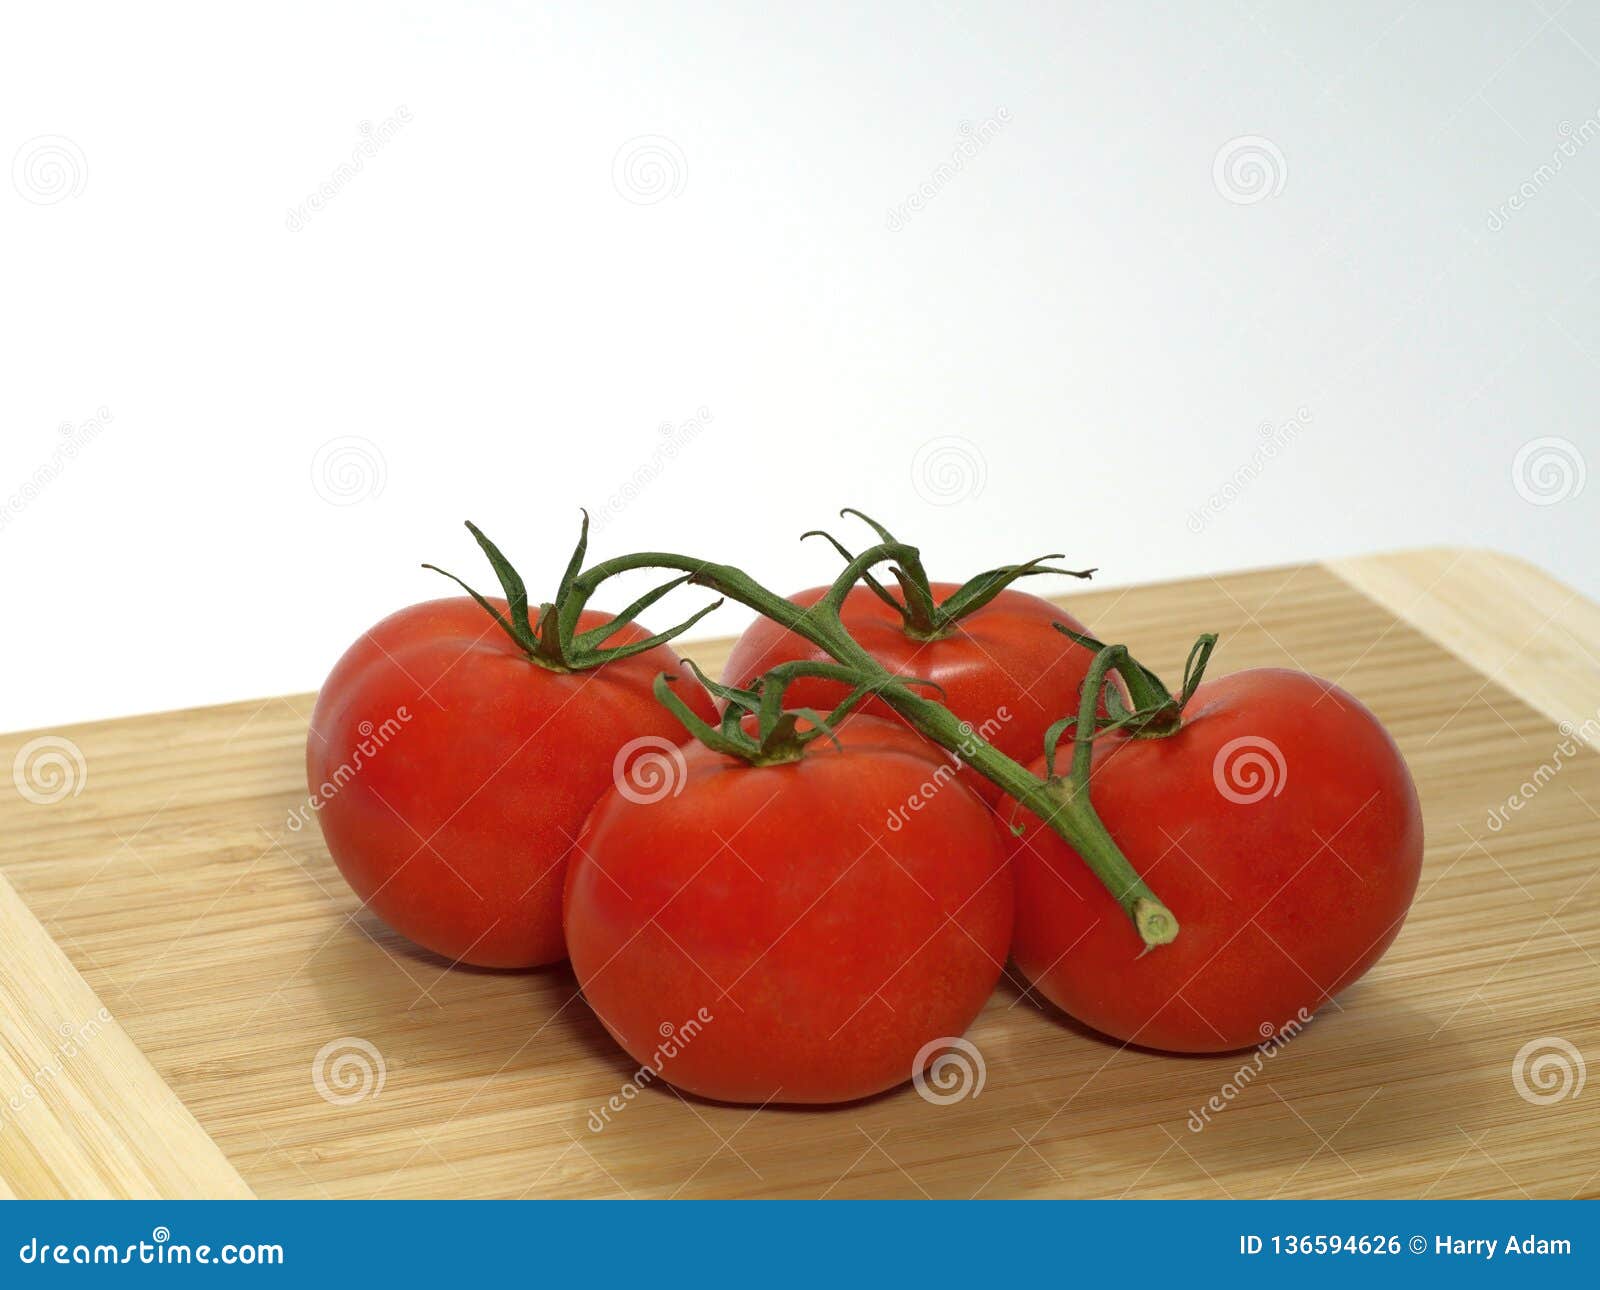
(233, 965)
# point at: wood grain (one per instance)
(1508, 619)
(85, 1114)
(232, 953)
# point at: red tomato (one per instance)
(795, 946)
(1281, 827)
(1004, 670)
(453, 773)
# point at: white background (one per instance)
(1087, 320)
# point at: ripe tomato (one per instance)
(453, 773)
(1004, 669)
(1279, 824)
(819, 949)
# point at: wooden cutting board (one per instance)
(196, 1005)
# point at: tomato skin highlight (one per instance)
(1282, 901)
(1003, 668)
(455, 829)
(826, 948)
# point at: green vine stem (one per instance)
(1063, 805)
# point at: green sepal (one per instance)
(777, 738)
(978, 591)
(713, 738)
(599, 656)
(924, 617)
(551, 640)
(1154, 711)
(597, 636)
(523, 639)
(1195, 666)
(876, 587)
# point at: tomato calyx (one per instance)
(1150, 711)
(925, 618)
(778, 737)
(551, 639)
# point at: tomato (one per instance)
(795, 946)
(453, 773)
(1281, 827)
(1003, 668)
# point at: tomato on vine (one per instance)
(825, 953)
(1279, 821)
(501, 732)
(984, 647)
(859, 671)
